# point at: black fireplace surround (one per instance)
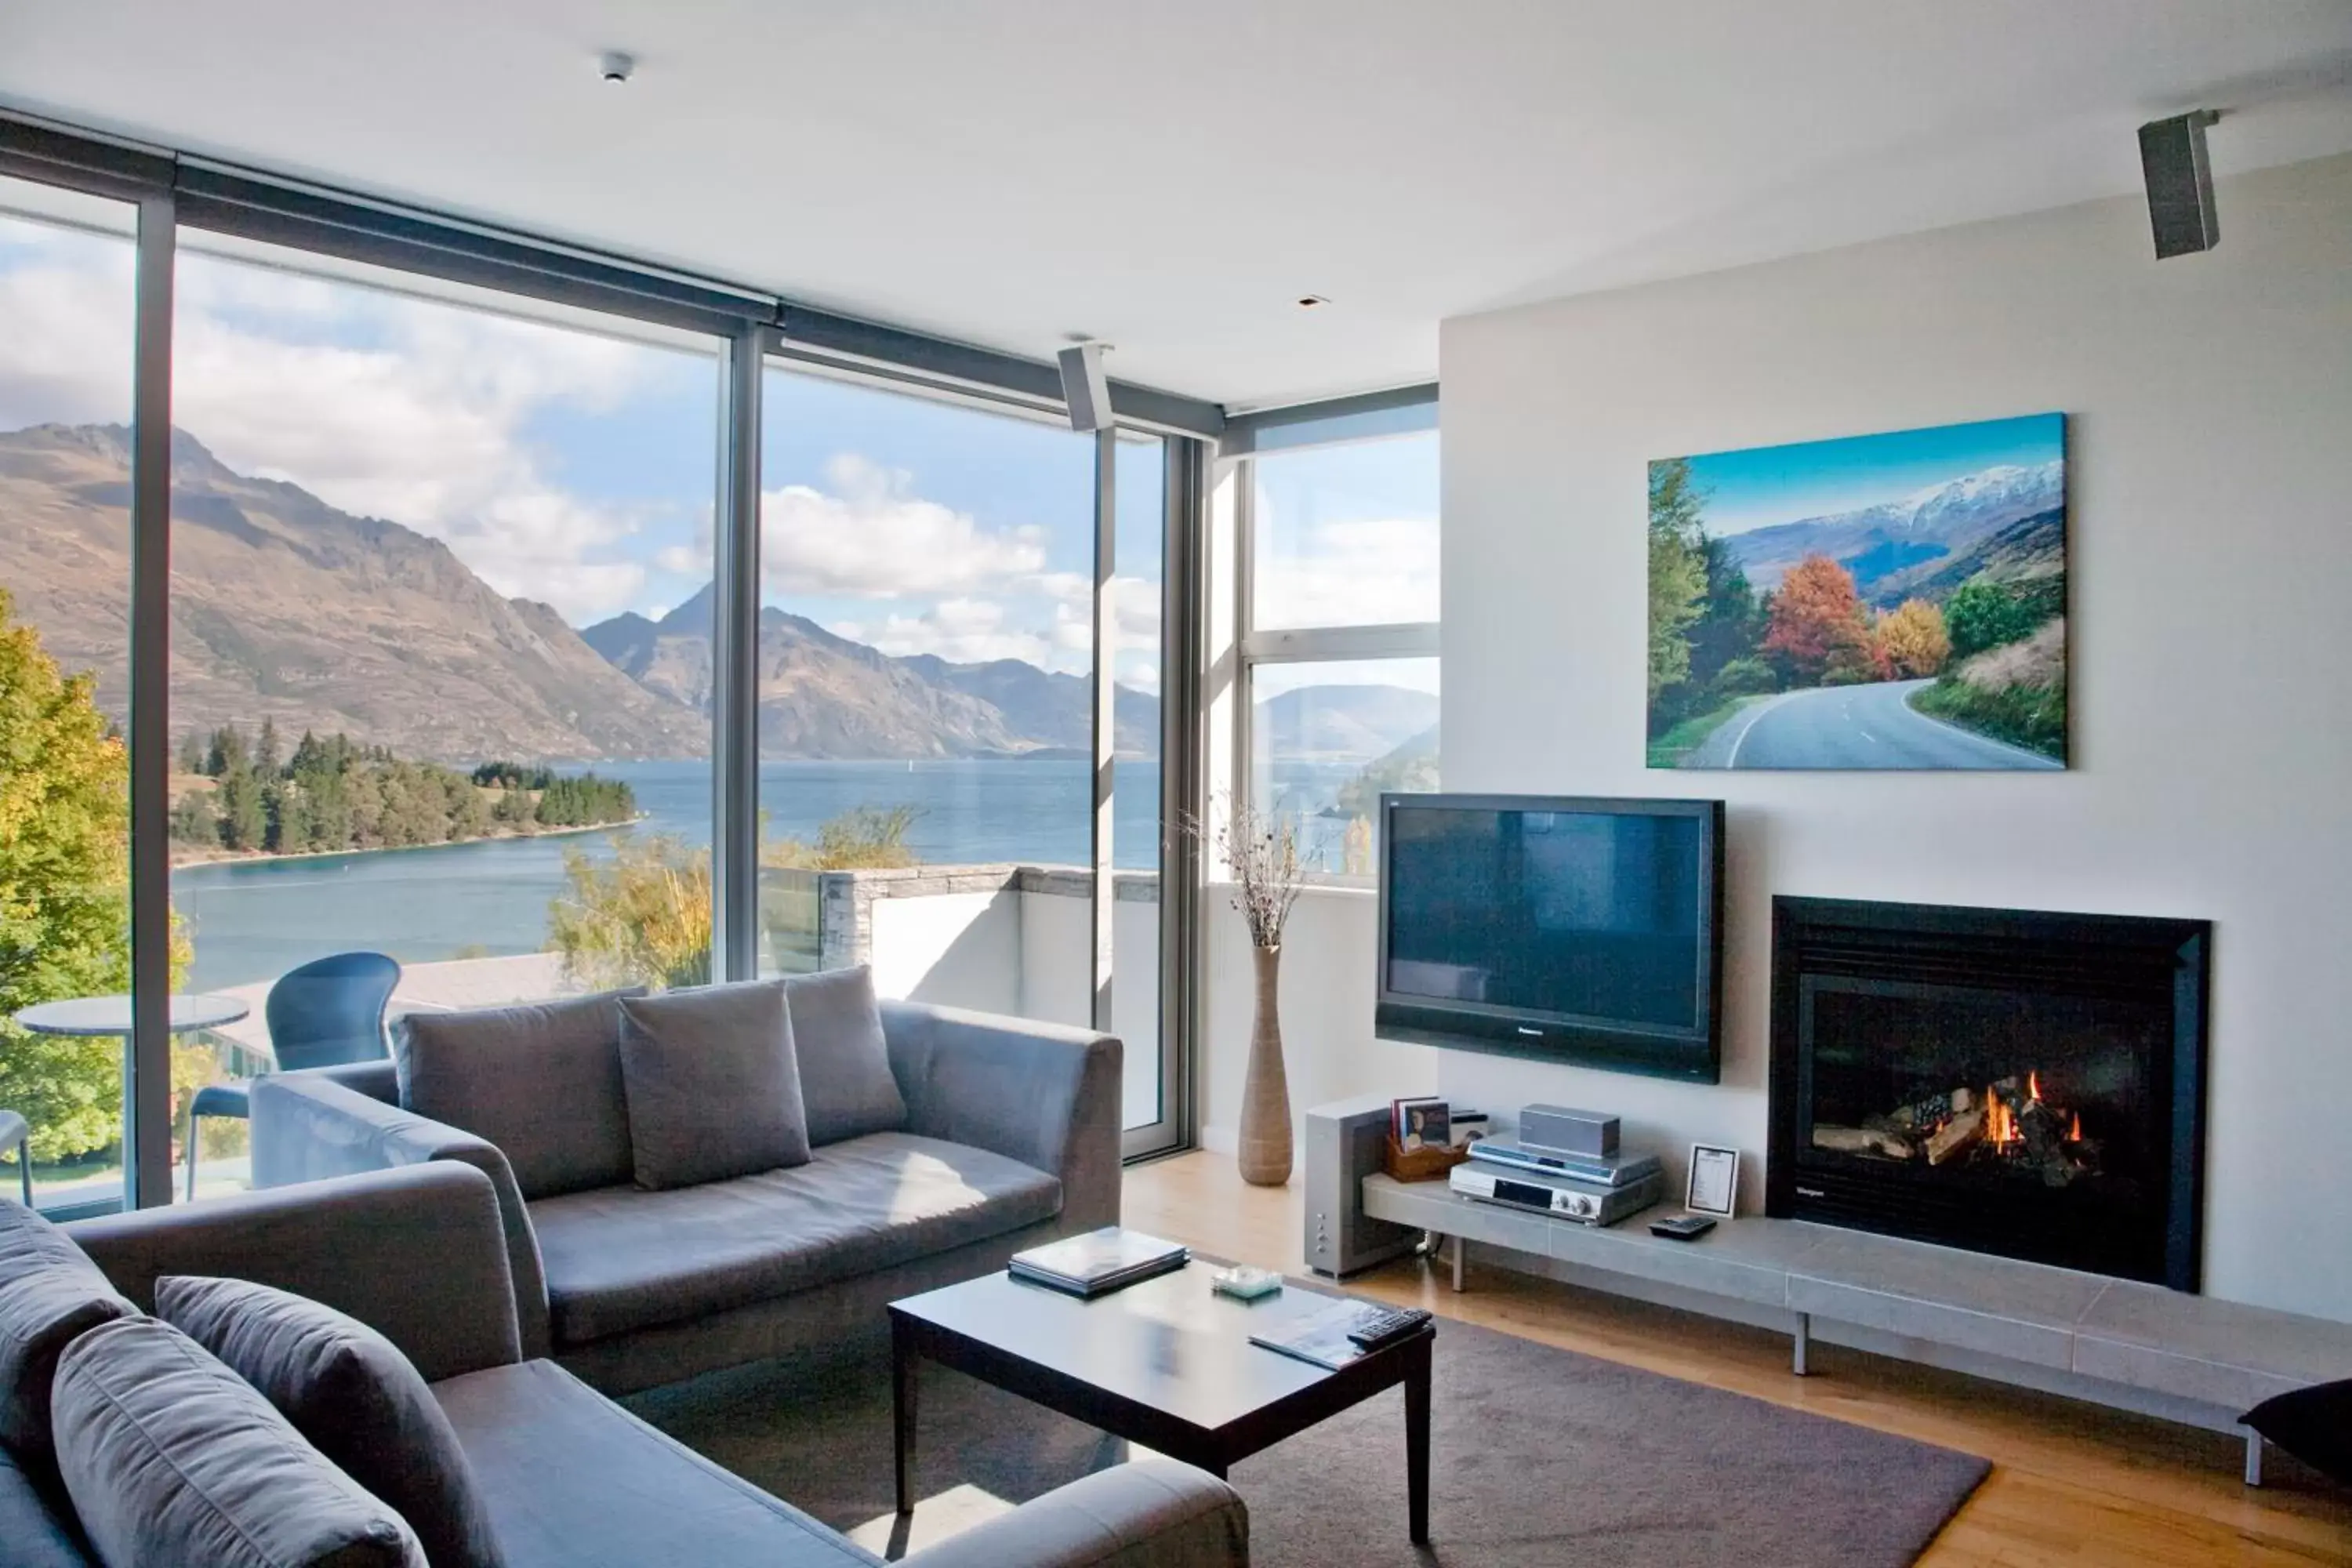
(2010, 1081)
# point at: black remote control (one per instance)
(1389, 1327)
(1688, 1227)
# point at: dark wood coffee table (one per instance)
(1166, 1363)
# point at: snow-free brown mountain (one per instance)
(823, 695)
(284, 607)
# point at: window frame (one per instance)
(173, 190)
(1353, 421)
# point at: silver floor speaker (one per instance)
(1344, 1144)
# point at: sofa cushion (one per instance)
(847, 1084)
(541, 1080)
(33, 1532)
(351, 1391)
(713, 1089)
(2313, 1423)
(172, 1458)
(622, 1258)
(572, 1479)
(50, 1294)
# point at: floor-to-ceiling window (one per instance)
(1339, 639)
(926, 669)
(434, 555)
(66, 327)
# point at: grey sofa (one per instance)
(567, 1476)
(1011, 1138)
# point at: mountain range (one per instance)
(1889, 537)
(286, 608)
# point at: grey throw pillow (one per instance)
(847, 1084)
(50, 1295)
(713, 1087)
(351, 1391)
(542, 1081)
(170, 1456)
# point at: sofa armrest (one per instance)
(418, 1255)
(1155, 1513)
(378, 1079)
(1044, 1094)
(307, 1128)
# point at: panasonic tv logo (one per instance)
(1810, 1193)
(1531, 1033)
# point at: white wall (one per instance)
(1328, 1050)
(2211, 427)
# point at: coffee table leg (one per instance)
(902, 1411)
(1416, 1441)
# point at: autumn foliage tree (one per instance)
(1818, 630)
(64, 913)
(1911, 640)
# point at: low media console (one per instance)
(2190, 1358)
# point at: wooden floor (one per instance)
(2073, 1484)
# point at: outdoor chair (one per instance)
(326, 1013)
(14, 1134)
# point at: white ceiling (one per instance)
(1170, 177)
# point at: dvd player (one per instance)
(1564, 1197)
(1600, 1171)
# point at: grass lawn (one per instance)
(2033, 717)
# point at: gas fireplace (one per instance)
(2009, 1081)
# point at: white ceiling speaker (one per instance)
(2180, 183)
(614, 66)
(1086, 389)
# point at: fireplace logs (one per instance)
(2007, 1124)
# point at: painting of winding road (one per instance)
(1895, 600)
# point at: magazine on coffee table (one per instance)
(1099, 1262)
(1321, 1336)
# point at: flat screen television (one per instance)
(1565, 929)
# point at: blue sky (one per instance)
(564, 462)
(1767, 485)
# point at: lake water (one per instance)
(254, 919)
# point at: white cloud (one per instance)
(1365, 573)
(867, 535)
(380, 404)
(960, 630)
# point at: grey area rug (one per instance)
(1539, 1457)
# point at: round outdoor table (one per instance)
(92, 1016)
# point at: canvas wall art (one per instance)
(1895, 600)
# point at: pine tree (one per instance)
(265, 750)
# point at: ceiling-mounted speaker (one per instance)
(2180, 183)
(1085, 389)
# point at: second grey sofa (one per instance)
(1011, 1138)
(568, 1477)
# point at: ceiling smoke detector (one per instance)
(1310, 301)
(614, 66)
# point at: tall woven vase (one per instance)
(1265, 1151)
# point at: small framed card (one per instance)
(1713, 1180)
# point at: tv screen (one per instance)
(1577, 929)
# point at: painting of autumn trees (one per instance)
(1894, 601)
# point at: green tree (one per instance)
(192, 822)
(1732, 624)
(191, 758)
(226, 751)
(1982, 613)
(266, 761)
(1678, 570)
(244, 816)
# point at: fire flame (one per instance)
(1999, 1127)
(2033, 1085)
(2074, 1130)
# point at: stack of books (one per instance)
(1099, 1262)
(1321, 1337)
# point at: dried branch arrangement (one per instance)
(1262, 855)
